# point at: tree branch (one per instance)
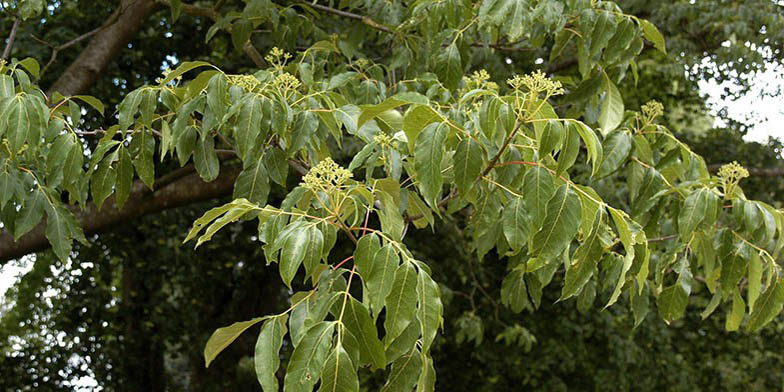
(103, 47)
(186, 190)
(364, 19)
(11, 38)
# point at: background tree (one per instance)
(344, 45)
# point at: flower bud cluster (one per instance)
(537, 83)
(326, 176)
(246, 82)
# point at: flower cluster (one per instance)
(246, 82)
(166, 72)
(651, 110)
(479, 79)
(286, 83)
(277, 58)
(537, 83)
(730, 175)
(382, 139)
(326, 176)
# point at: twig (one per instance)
(364, 19)
(11, 38)
(57, 48)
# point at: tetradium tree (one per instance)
(522, 160)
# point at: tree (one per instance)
(503, 156)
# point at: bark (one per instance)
(188, 189)
(104, 46)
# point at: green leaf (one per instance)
(755, 280)
(448, 66)
(767, 307)
(58, 230)
(427, 160)
(357, 320)
(143, 162)
(592, 144)
(240, 32)
(584, 261)
(370, 112)
(309, 357)
(611, 109)
(469, 161)
(205, 160)
(430, 308)
(616, 149)
(222, 338)
(364, 254)
(253, 183)
(560, 225)
(30, 64)
(417, 119)
(539, 187)
(340, 374)
(570, 150)
(735, 315)
(693, 212)
(293, 252)
(515, 223)
(183, 68)
(405, 371)
(551, 137)
(102, 181)
(267, 353)
(248, 126)
(381, 277)
(513, 290)
(6, 86)
(124, 177)
(128, 108)
(652, 34)
(401, 301)
(427, 379)
(672, 303)
(603, 30)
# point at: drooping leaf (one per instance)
(340, 374)
(767, 307)
(222, 338)
(267, 354)
(357, 320)
(427, 160)
(515, 222)
(611, 110)
(401, 301)
(309, 357)
(430, 308)
(560, 224)
(381, 277)
(469, 161)
(404, 374)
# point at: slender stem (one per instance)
(11, 38)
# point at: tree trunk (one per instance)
(103, 47)
(142, 368)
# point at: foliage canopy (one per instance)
(522, 165)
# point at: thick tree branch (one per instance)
(11, 38)
(103, 47)
(188, 189)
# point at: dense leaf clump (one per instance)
(520, 163)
